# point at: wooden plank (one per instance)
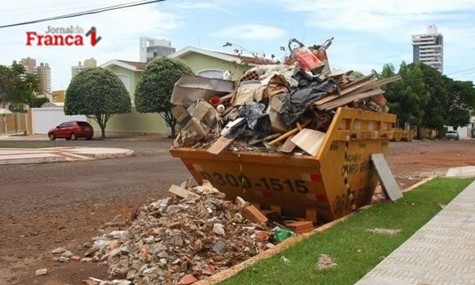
(219, 145)
(357, 87)
(390, 186)
(288, 146)
(309, 140)
(376, 84)
(268, 138)
(181, 192)
(343, 100)
(325, 100)
(358, 81)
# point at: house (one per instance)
(214, 64)
(203, 62)
(134, 122)
(465, 132)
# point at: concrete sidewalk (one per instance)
(441, 252)
(59, 154)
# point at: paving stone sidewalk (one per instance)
(441, 252)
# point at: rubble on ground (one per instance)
(385, 231)
(270, 105)
(178, 239)
(325, 262)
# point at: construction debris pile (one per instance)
(181, 239)
(270, 106)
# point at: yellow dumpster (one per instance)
(338, 180)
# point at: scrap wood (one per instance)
(309, 140)
(358, 87)
(181, 192)
(376, 84)
(325, 100)
(343, 100)
(288, 134)
(357, 81)
(270, 137)
(219, 145)
(288, 146)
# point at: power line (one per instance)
(461, 71)
(464, 74)
(83, 13)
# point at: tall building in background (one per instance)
(429, 48)
(88, 63)
(42, 73)
(151, 48)
(29, 64)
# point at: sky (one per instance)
(367, 33)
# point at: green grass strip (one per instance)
(350, 244)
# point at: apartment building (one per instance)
(87, 63)
(429, 48)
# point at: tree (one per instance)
(97, 93)
(462, 101)
(408, 97)
(437, 110)
(17, 86)
(155, 87)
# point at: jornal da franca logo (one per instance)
(63, 36)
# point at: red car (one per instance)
(72, 131)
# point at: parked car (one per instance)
(452, 135)
(72, 130)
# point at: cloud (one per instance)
(392, 19)
(211, 5)
(252, 32)
(376, 32)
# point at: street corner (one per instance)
(17, 156)
(59, 154)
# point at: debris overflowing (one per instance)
(271, 107)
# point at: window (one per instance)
(66, 125)
(83, 124)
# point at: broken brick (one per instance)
(254, 215)
(188, 279)
(300, 227)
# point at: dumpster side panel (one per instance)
(348, 174)
(291, 183)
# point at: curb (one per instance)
(98, 153)
(51, 155)
(31, 160)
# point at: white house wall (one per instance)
(43, 119)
